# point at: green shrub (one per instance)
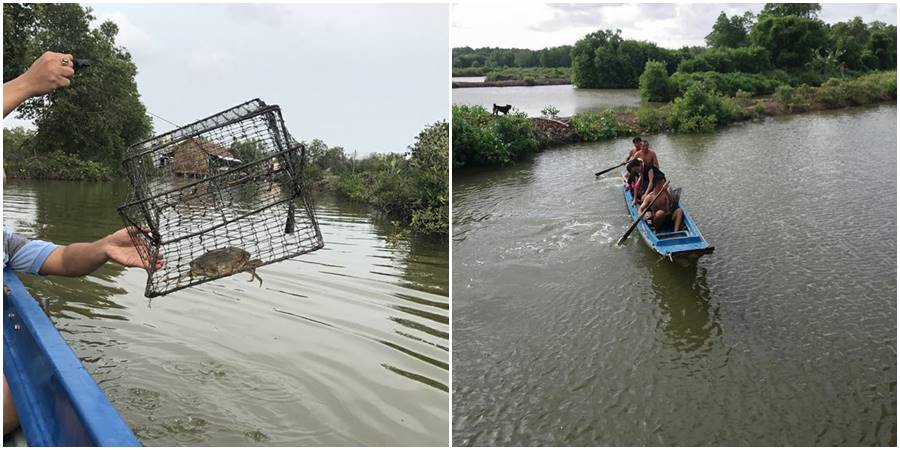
(475, 140)
(481, 139)
(652, 120)
(724, 60)
(654, 82)
(528, 73)
(759, 108)
(592, 126)
(469, 71)
(725, 83)
(550, 112)
(701, 110)
(742, 95)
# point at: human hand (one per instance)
(120, 248)
(49, 72)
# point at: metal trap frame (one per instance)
(233, 179)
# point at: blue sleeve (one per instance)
(24, 255)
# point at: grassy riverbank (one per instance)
(482, 139)
(412, 187)
(524, 74)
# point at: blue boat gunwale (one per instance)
(57, 400)
(691, 244)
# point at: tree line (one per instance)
(784, 44)
(89, 124)
(495, 57)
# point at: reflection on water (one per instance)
(345, 346)
(786, 335)
(683, 296)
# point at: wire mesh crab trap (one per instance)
(220, 196)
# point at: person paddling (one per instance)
(637, 147)
(647, 155)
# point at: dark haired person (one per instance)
(642, 177)
(48, 73)
(637, 147)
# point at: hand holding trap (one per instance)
(220, 196)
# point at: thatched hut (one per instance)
(196, 157)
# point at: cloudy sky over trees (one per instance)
(365, 77)
(536, 25)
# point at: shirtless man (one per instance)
(646, 155)
(637, 147)
(662, 211)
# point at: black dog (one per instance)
(503, 109)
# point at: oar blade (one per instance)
(607, 170)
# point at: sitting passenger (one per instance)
(662, 211)
(642, 177)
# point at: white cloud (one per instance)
(137, 41)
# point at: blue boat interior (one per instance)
(685, 242)
(58, 402)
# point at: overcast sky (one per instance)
(364, 77)
(537, 25)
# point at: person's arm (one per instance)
(50, 71)
(79, 259)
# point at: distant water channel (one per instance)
(345, 346)
(532, 99)
(785, 336)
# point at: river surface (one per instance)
(348, 345)
(786, 335)
(532, 99)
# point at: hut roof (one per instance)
(210, 148)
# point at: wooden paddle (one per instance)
(631, 228)
(607, 170)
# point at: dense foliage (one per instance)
(21, 160)
(730, 32)
(91, 123)
(785, 44)
(654, 83)
(604, 59)
(482, 139)
(491, 57)
(740, 59)
(725, 83)
(412, 187)
(528, 73)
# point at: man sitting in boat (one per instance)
(47, 73)
(661, 211)
(642, 177)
